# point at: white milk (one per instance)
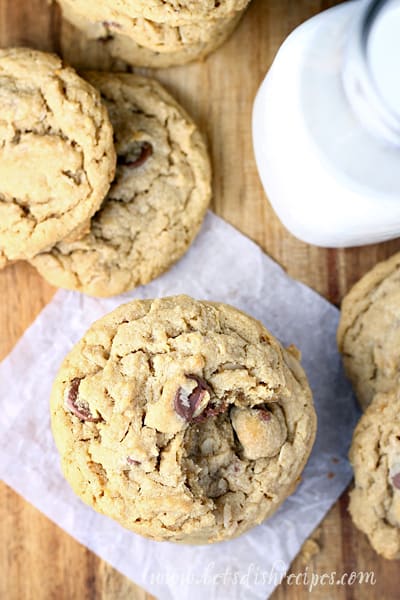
(327, 146)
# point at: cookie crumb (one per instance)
(310, 549)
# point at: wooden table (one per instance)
(37, 559)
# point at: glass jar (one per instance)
(326, 126)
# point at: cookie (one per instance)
(159, 37)
(156, 203)
(182, 420)
(151, 44)
(170, 12)
(57, 154)
(375, 455)
(369, 331)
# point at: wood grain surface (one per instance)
(39, 561)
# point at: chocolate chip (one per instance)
(112, 24)
(132, 461)
(396, 481)
(79, 410)
(264, 415)
(212, 410)
(105, 39)
(186, 404)
(146, 150)
(200, 381)
(73, 391)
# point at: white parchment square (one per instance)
(226, 266)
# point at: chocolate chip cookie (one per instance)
(156, 203)
(369, 331)
(375, 455)
(168, 12)
(182, 420)
(143, 43)
(57, 154)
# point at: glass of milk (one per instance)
(326, 126)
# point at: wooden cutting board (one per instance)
(39, 561)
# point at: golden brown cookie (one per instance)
(143, 43)
(156, 203)
(182, 420)
(369, 331)
(375, 455)
(57, 155)
(167, 12)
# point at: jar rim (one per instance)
(359, 84)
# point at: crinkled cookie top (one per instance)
(183, 420)
(158, 37)
(169, 12)
(375, 455)
(156, 203)
(56, 152)
(143, 43)
(369, 331)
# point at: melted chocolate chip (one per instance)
(132, 461)
(112, 24)
(146, 151)
(212, 410)
(187, 404)
(83, 413)
(73, 391)
(202, 383)
(396, 481)
(264, 415)
(105, 39)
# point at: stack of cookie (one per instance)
(57, 156)
(156, 33)
(183, 420)
(105, 181)
(369, 339)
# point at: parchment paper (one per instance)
(226, 266)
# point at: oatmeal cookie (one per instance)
(369, 331)
(156, 203)
(167, 12)
(182, 420)
(375, 455)
(143, 43)
(57, 155)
